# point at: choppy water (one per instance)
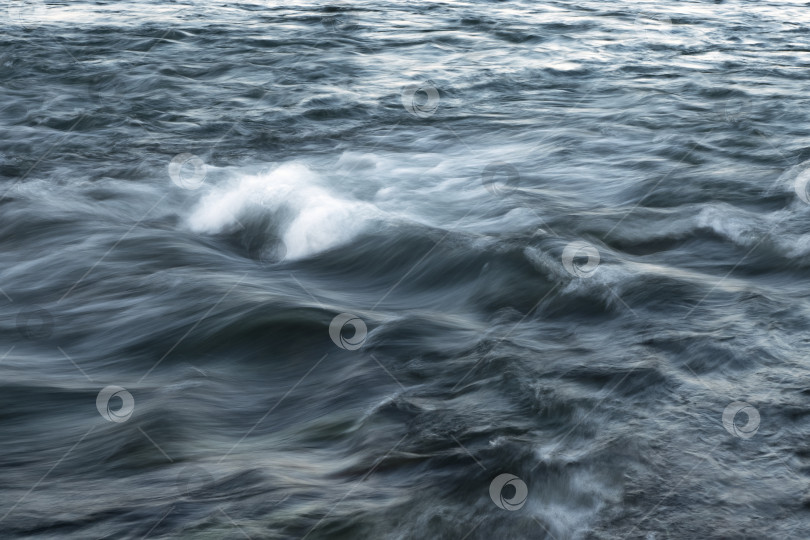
(345, 265)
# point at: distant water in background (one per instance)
(405, 270)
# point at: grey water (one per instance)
(404, 270)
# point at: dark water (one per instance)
(565, 242)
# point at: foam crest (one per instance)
(312, 217)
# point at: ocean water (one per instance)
(405, 270)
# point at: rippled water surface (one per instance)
(404, 270)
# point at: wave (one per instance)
(306, 216)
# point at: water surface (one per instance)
(570, 240)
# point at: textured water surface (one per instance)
(404, 270)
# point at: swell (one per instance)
(671, 150)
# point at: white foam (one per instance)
(728, 222)
(321, 219)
